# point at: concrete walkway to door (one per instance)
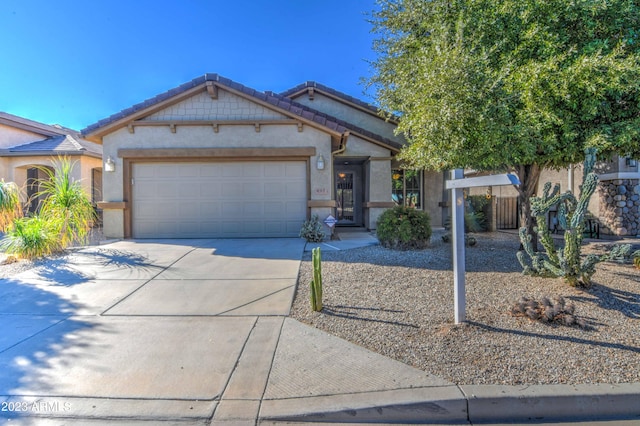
(196, 332)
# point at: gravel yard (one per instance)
(400, 304)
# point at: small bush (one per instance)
(311, 230)
(636, 258)
(548, 310)
(404, 228)
(31, 237)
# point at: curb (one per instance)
(552, 402)
(474, 404)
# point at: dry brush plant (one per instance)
(548, 310)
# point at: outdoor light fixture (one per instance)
(632, 162)
(109, 165)
(320, 163)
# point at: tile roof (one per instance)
(301, 87)
(63, 144)
(277, 100)
(34, 126)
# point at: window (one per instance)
(406, 187)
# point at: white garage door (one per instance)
(218, 200)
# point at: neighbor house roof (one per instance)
(33, 126)
(56, 145)
(269, 99)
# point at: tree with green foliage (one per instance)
(511, 84)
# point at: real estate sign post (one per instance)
(457, 185)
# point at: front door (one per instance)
(348, 196)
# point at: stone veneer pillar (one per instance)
(620, 206)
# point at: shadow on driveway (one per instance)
(30, 343)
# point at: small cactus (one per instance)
(554, 310)
(316, 283)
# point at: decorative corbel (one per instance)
(212, 90)
(300, 126)
(172, 126)
(257, 126)
(310, 92)
(215, 127)
(130, 127)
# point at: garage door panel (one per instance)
(210, 200)
(210, 170)
(189, 191)
(295, 169)
(294, 191)
(210, 189)
(294, 209)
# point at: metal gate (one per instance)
(507, 212)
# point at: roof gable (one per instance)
(209, 84)
(227, 106)
(309, 88)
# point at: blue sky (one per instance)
(74, 62)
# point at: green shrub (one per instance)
(311, 230)
(31, 237)
(404, 228)
(636, 259)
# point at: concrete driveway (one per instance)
(145, 330)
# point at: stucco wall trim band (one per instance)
(216, 152)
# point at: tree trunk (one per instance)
(529, 176)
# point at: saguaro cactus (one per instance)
(566, 263)
(316, 283)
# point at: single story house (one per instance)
(214, 158)
(26, 146)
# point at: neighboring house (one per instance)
(614, 209)
(26, 146)
(214, 158)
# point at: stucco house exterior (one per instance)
(26, 145)
(214, 158)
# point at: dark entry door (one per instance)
(348, 196)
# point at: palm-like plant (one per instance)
(30, 237)
(10, 208)
(66, 207)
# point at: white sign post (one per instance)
(457, 185)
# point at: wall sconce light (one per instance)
(632, 162)
(320, 163)
(109, 165)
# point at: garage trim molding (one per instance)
(132, 156)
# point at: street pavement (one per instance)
(196, 332)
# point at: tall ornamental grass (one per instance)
(10, 208)
(66, 207)
(30, 237)
(65, 218)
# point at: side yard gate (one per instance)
(507, 213)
